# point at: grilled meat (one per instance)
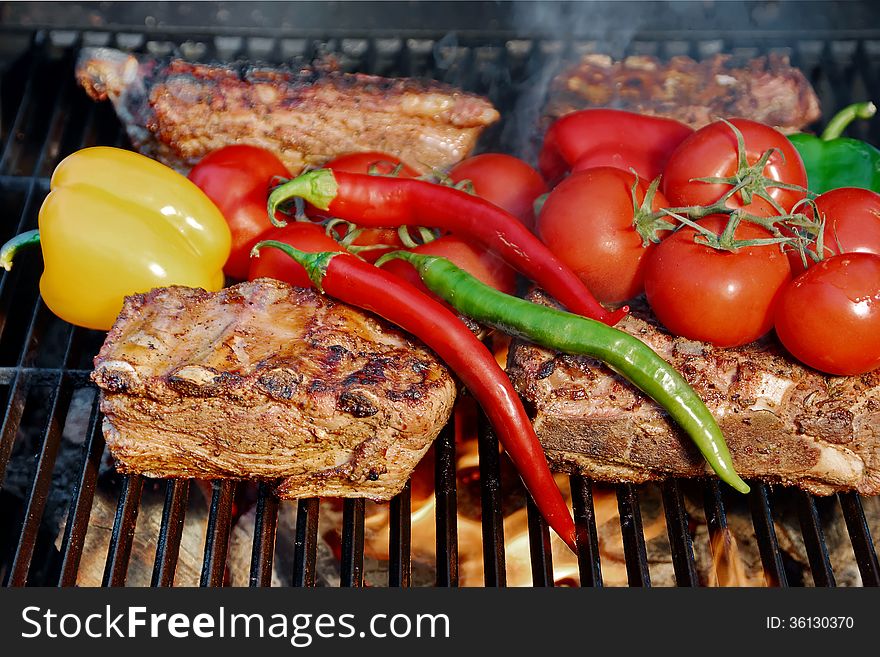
(783, 422)
(267, 381)
(766, 89)
(177, 111)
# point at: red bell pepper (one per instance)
(608, 137)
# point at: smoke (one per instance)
(562, 33)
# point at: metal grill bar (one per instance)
(352, 567)
(633, 536)
(863, 544)
(306, 545)
(170, 532)
(814, 540)
(13, 415)
(19, 392)
(539, 546)
(39, 315)
(81, 502)
(446, 508)
(680, 542)
(59, 118)
(720, 539)
(765, 532)
(24, 112)
(40, 488)
(399, 535)
(121, 538)
(24, 307)
(217, 535)
(494, 561)
(264, 537)
(22, 184)
(11, 421)
(589, 560)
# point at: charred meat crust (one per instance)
(178, 111)
(784, 423)
(267, 381)
(766, 89)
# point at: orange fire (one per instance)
(728, 566)
(469, 525)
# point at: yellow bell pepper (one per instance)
(117, 223)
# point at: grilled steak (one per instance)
(267, 381)
(783, 422)
(765, 89)
(177, 111)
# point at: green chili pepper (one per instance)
(556, 329)
(833, 161)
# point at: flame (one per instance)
(516, 525)
(727, 564)
(470, 531)
(728, 567)
(500, 347)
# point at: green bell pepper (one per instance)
(833, 161)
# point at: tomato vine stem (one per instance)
(789, 229)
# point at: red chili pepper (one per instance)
(382, 202)
(351, 280)
(608, 137)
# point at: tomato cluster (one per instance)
(727, 266)
(239, 178)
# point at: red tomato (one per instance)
(852, 220)
(723, 297)
(587, 221)
(238, 179)
(273, 263)
(852, 224)
(479, 263)
(506, 181)
(829, 316)
(380, 164)
(712, 152)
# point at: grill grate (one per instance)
(44, 363)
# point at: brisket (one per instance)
(783, 422)
(262, 380)
(766, 89)
(177, 111)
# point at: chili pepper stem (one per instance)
(9, 250)
(844, 117)
(318, 187)
(315, 264)
(556, 329)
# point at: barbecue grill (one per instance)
(45, 363)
